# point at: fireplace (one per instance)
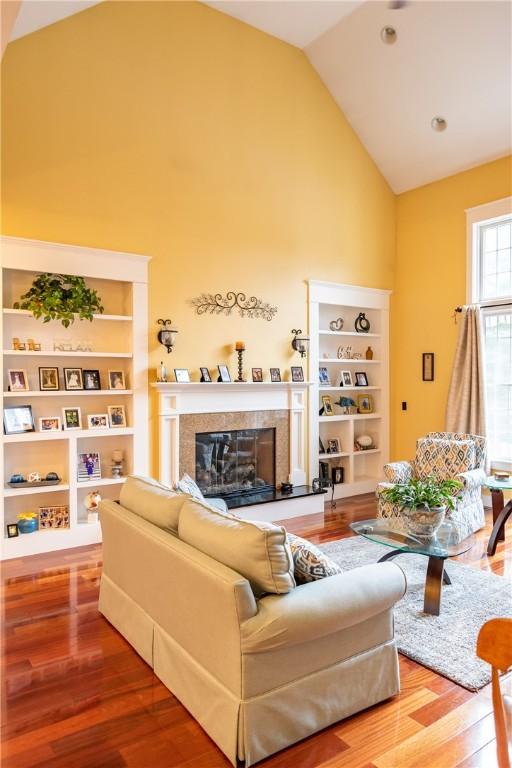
(234, 462)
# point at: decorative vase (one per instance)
(27, 525)
(369, 353)
(424, 521)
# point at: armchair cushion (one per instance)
(443, 459)
(310, 563)
(399, 471)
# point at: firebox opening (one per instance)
(233, 462)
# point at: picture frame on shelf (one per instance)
(18, 419)
(205, 375)
(361, 379)
(328, 407)
(73, 379)
(116, 380)
(275, 375)
(297, 373)
(88, 467)
(98, 421)
(346, 379)
(18, 380)
(182, 375)
(323, 376)
(50, 424)
(12, 530)
(49, 379)
(427, 366)
(72, 417)
(333, 445)
(257, 375)
(54, 517)
(224, 375)
(91, 379)
(321, 446)
(365, 404)
(337, 475)
(116, 416)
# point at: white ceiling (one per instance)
(452, 58)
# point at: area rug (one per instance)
(445, 643)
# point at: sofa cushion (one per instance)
(188, 485)
(442, 458)
(257, 550)
(309, 561)
(153, 501)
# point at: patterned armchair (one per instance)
(443, 455)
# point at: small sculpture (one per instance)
(161, 372)
(362, 324)
(336, 325)
(34, 477)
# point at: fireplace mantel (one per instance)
(176, 400)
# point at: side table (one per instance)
(500, 511)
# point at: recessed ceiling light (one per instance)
(388, 35)
(438, 124)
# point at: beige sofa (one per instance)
(258, 671)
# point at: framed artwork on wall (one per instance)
(428, 366)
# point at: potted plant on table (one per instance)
(424, 502)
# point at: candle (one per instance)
(239, 346)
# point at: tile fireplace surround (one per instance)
(185, 409)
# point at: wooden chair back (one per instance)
(494, 645)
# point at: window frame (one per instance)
(489, 213)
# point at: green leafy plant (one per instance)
(424, 493)
(60, 297)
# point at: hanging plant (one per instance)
(60, 297)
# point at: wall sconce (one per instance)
(300, 343)
(167, 336)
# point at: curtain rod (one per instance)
(489, 306)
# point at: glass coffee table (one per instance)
(500, 511)
(438, 548)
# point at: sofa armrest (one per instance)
(399, 471)
(323, 607)
(473, 478)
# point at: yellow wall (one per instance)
(430, 280)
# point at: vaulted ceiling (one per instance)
(449, 59)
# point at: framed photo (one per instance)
(428, 366)
(333, 445)
(364, 404)
(182, 375)
(116, 380)
(223, 373)
(321, 446)
(12, 530)
(49, 379)
(18, 419)
(361, 379)
(54, 517)
(98, 421)
(275, 375)
(327, 404)
(297, 373)
(18, 380)
(323, 376)
(257, 374)
(346, 379)
(73, 378)
(205, 375)
(91, 379)
(89, 467)
(72, 418)
(116, 415)
(337, 475)
(50, 424)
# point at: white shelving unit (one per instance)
(327, 302)
(119, 341)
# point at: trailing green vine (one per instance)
(60, 297)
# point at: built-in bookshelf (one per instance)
(115, 340)
(362, 469)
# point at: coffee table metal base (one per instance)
(436, 577)
(500, 515)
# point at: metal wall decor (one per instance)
(362, 324)
(167, 336)
(217, 304)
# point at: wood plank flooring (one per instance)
(75, 694)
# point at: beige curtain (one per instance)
(465, 411)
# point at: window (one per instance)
(490, 238)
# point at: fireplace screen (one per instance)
(235, 462)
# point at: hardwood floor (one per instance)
(75, 695)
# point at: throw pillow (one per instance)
(310, 563)
(188, 485)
